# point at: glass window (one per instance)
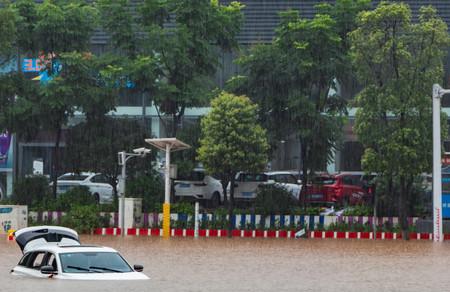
(73, 177)
(90, 262)
(100, 179)
(323, 180)
(38, 260)
(51, 261)
(251, 177)
(24, 260)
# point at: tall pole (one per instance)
(438, 92)
(166, 206)
(122, 194)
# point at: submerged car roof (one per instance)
(57, 248)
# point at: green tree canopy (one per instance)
(186, 51)
(293, 79)
(397, 61)
(232, 140)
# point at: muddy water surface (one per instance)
(238, 264)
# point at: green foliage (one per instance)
(186, 53)
(82, 218)
(273, 200)
(239, 144)
(77, 196)
(30, 190)
(149, 187)
(359, 210)
(183, 208)
(8, 30)
(398, 61)
(293, 79)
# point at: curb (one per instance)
(156, 232)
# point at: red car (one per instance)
(341, 189)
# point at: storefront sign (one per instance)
(5, 152)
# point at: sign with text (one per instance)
(32, 65)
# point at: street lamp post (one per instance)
(438, 92)
(168, 145)
(123, 157)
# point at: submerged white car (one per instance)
(55, 252)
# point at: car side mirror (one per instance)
(138, 268)
(299, 181)
(48, 270)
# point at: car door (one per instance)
(31, 263)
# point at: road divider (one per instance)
(156, 232)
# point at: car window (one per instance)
(24, 259)
(347, 180)
(85, 262)
(100, 178)
(51, 261)
(323, 180)
(38, 260)
(73, 177)
(252, 177)
(193, 176)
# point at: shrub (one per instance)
(272, 199)
(82, 218)
(183, 208)
(77, 196)
(31, 191)
(359, 210)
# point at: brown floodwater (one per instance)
(239, 264)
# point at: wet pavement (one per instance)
(240, 264)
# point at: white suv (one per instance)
(246, 184)
(97, 183)
(199, 186)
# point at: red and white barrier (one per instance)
(156, 232)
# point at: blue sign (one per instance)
(445, 205)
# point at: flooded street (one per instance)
(238, 264)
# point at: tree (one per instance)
(397, 61)
(94, 146)
(185, 53)
(232, 141)
(294, 77)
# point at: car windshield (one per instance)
(93, 262)
(73, 177)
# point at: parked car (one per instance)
(349, 188)
(287, 180)
(56, 252)
(246, 185)
(197, 185)
(97, 183)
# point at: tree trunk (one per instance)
(231, 206)
(402, 208)
(224, 189)
(55, 161)
(304, 168)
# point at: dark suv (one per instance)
(342, 189)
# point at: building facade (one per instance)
(261, 19)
